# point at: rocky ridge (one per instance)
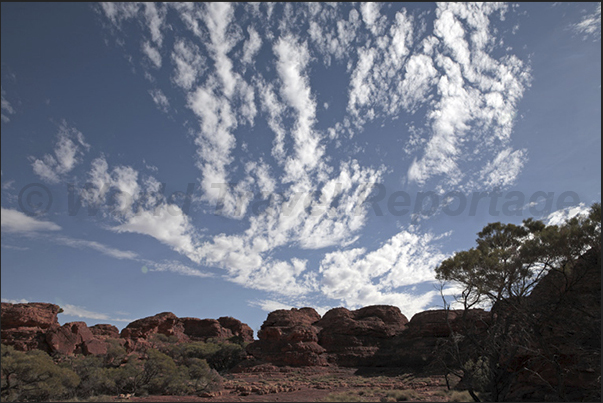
(35, 325)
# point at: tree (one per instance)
(34, 376)
(531, 275)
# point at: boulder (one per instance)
(24, 326)
(288, 337)
(238, 328)
(32, 315)
(105, 331)
(25, 338)
(165, 323)
(202, 329)
(352, 338)
(138, 334)
(74, 338)
(440, 322)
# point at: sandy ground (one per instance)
(319, 384)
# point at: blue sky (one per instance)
(232, 159)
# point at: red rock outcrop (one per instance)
(203, 329)
(35, 326)
(74, 338)
(288, 337)
(138, 333)
(440, 322)
(32, 314)
(352, 338)
(24, 325)
(222, 329)
(105, 331)
(238, 328)
(415, 347)
(165, 323)
(300, 337)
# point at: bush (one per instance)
(219, 355)
(94, 377)
(34, 376)
(116, 353)
(204, 378)
(402, 395)
(342, 397)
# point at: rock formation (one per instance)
(74, 338)
(104, 331)
(35, 326)
(288, 337)
(24, 326)
(351, 338)
(300, 337)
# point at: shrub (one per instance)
(94, 377)
(34, 376)
(402, 395)
(342, 397)
(116, 353)
(219, 355)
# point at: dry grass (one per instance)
(460, 396)
(342, 397)
(402, 395)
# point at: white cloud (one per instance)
(15, 301)
(100, 181)
(295, 90)
(74, 310)
(152, 53)
(268, 305)
(370, 16)
(590, 26)
(559, 217)
(166, 223)
(160, 99)
(476, 98)
(20, 248)
(82, 312)
(7, 108)
(123, 179)
(68, 151)
(393, 65)
(178, 268)
(16, 222)
(155, 19)
(504, 169)
(189, 64)
(107, 250)
(252, 45)
(153, 16)
(358, 278)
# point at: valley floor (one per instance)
(323, 384)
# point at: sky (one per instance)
(232, 159)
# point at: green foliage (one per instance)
(34, 376)
(94, 377)
(116, 353)
(507, 264)
(510, 259)
(220, 356)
